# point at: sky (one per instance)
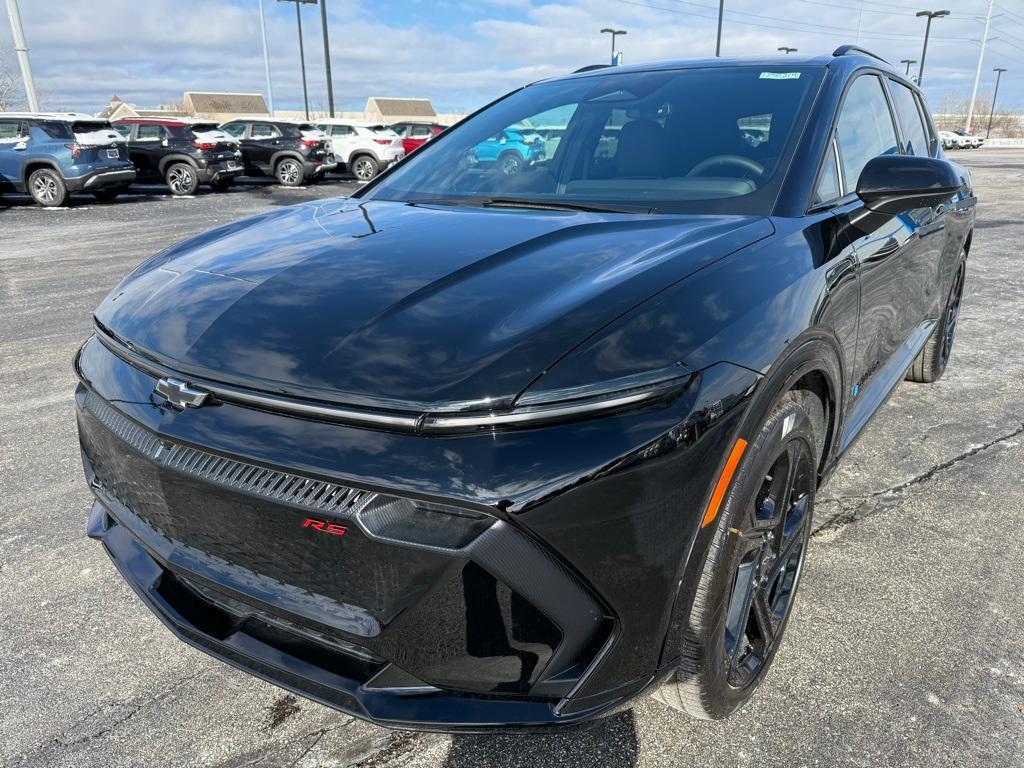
(462, 54)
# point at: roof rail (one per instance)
(590, 68)
(843, 50)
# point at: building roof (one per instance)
(396, 108)
(225, 103)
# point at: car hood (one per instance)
(397, 305)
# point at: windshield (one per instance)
(710, 140)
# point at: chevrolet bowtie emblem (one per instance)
(179, 394)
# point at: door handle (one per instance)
(931, 228)
(21, 146)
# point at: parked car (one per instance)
(470, 450)
(364, 148)
(950, 140)
(971, 141)
(52, 155)
(415, 135)
(311, 132)
(181, 153)
(509, 151)
(278, 148)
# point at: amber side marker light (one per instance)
(723, 481)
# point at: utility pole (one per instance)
(718, 40)
(614, 33)
(992, 110)
(22, 49)
(928, 28)
(327, 58)
(302, 50)
(908, 62)
(977, 74)
(266, 61)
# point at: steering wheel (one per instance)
(738, 161)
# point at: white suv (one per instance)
(365, 148)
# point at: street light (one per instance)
(787, 50)
(992, 110)
(613, 33)
(908, 62)
(928, 28)
(302, 51)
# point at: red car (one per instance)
(415, 135)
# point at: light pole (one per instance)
(19, 45)
(266, 61)
(614, 33)
(718, 40)
(927, 29)
(302, 50)
(908, 62)
(787, 50)
(977, 72)
(327, 57)
(992, 110)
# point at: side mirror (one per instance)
(893, 184)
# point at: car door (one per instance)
(264, 139)
(343, 141)
(14, 142)
(147, 148)
(888, 260)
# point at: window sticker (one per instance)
(780, 76)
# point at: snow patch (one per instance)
(102, 138)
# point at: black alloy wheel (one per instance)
(931, 361)
(952, 315)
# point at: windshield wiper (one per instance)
(552, 205)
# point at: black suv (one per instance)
(292, 153)
(183, 154)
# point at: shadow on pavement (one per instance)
(610, 743)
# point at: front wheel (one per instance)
(182, 180)
(289, 173)
(47, 188)
(748, 584)
(931, 361)
(510, 163)
(365, 168)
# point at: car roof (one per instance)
(153, 121)
(846, 57)
(61, 116)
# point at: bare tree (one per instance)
(12, 96)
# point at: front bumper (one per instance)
(557, 613)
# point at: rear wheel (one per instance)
(748, 584)
(365, 167)
(289, 172)
(47, 188)
(510, 163)
(931, 361)
(181, 179)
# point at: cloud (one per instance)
(461, 54)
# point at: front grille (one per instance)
(280, 487)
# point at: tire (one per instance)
(748, 585)
(107, 195)
(931, 361)
(289, 172)
(221, 184)
(181, 179)
(510, 163)
(364, 167)
(47, 188)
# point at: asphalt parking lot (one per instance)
(905, 648)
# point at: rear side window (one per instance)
(124, 130)
(264, 131)
(865, 129)
(150, 132)
(235, 129)
(915, 138)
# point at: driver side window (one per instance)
(865, 129)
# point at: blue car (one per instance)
(52, 155)
(509, 150)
